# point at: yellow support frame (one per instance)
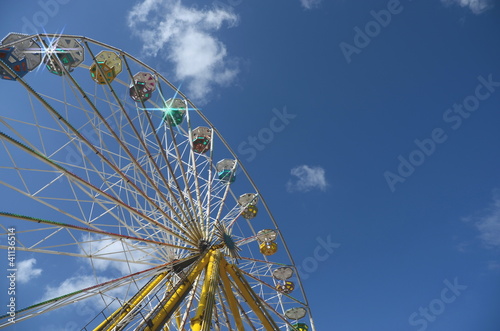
(218, 271)
(251, 298)
(172, 303)
(119, 314)
(231, 300)
(203, 317)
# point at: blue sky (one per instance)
(370, 127)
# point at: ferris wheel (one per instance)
(105, 164)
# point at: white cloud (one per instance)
(118, 250)
(307, 179)
(489, 224)
(26, 271)
(476, 6)
(103, 271)
(95, 302)
(71, 285)
(310, 4)
(185, 37)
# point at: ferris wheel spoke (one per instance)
(90, 230)
(90, 146)
(162, 153)
(20, 136)
(232, 217)
(196, 177)
(188, 207)
(44, 251)
(120, 223)
(274, 292)
(183, 207)
(79, 295)
(171, 171)
(127, 180)
(221, 203)
(99, 173)
(187, 187)
(100, 247)
(34, 194)
(208, 198)
(278, 264)
(88, 185)
(141, 140)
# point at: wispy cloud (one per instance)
(487, 222)
(306, 179)
(185, 36)
(97, 301)
(117, 251)
(310, 4)
(476, 6)
(71, 285)
(26, 270)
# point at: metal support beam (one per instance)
(231, 300)
(166, 308)
(252, 299)
(203, 318)
(123, 311)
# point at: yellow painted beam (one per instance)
(121, 312)
(173, 301)
(252, 299)
(207, 298)
(231, 300)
